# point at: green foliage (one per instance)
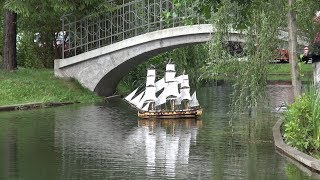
(18, 6)
(30, 7)
(189, 59)
(305, 14)
(249, 69)
(189, 11)
(293, 173)
(44, 18)
(302, 123)
(27, 56)
(31, 85)
(80, 8)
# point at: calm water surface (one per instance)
(109, 142)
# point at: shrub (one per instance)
(302, 123)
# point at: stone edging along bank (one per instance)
(306, 160)
(33, 106)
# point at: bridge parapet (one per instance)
(125, 21)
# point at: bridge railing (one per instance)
(124, 21)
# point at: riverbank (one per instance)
(306, 160)
(25, 86)
(34, 106)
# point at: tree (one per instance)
(292, 30)
(10, 32)
(300, 19)
(31, 14)
(247, 72)
(9, 40)
(1, 40)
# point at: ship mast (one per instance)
(171, 91)
(185, 91)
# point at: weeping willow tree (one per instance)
(259, 22)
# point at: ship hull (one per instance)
(178, 114)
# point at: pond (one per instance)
(109, 142)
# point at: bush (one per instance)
(302, 123)
(26, 55)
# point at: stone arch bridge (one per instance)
(99, 51)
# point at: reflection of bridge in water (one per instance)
(153, 149)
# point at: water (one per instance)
(109, 142)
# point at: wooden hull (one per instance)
(191, 113)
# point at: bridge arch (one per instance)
(101, 69)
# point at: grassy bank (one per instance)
(40, 85)
(282, 72)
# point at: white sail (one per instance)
(170, 67)
(179, 79)
(185, 81)
(185, 94)
(130, 96)
(170, 76)
(170, 73)
(151, 72)
(146, 107)
(161, 99)
(150, 94)
(194, 101)
(140, 104)
(172, 90)
(135, 101)
(150, 81)
(160, 84)
(151, 77)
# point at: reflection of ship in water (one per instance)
(170, 123)
(102, 146)
(167, 143)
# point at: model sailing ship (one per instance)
(173, 101)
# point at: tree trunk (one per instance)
(292, 30)
(9, 40)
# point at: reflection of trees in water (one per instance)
(26, 145)
(255, 124)
(280, 95)
(8, 153)
(240, 150)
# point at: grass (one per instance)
(282, 72)
(40, 85)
